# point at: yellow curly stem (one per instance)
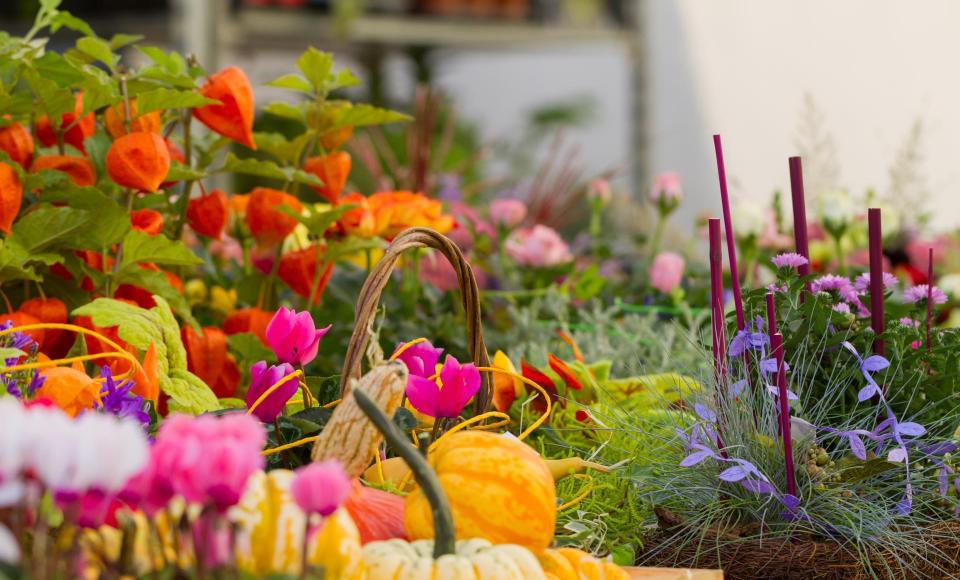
(119, 352)
(403, 347)
(263, 397)
(290, 445)
(587, 489)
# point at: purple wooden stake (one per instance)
(728, 226)
(799, 214)
(784, 406)
(929, 295)
(716, 302)
(771, 315)
(876, 278)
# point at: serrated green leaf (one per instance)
(316, 66)
(54, 99)
(267, 169)
(344, 79)
(285, 150)
(47, 226)
(170, 62)
(55, 68)
(139, 248)
(188, 393)
(109, 223)
(286, 111)
(97, 49)
(157, 283)
(118, 41)
(64, 19)
(158, 99)
(293, 82)
(180, 172)
(362, 115)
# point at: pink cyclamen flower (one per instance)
(919, 293)
(789, 260)
(508, 213)
(294, 337)
(261, 379)
(421, 359)
(666, 272)
(539, 247)
(458, 384)
(320, 488)
(666, 188)
(862, 282)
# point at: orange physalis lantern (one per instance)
(267, 224)
(207, 358)
(176, 154)
(148, 221)
(55, 342)
(139, 161)
(252, 320)
(233, 117)
(298, 269)
(207, 214)
(79, 127)
(79, 169)
(332, 170)
(334, 139)
(11, 196)
(20, 318)
(113, 118)
(70, 389)
(17, 143)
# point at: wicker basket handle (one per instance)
(369, 299)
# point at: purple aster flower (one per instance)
(842, 308)
(919, 292)
(116, 399)
(789, 260)
(831, 283)
(909, 322)
(862, 282)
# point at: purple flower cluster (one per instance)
(789, 260)
(918, 293)
(116, 399)
(862, 282)
(750, 338)
(23, 342)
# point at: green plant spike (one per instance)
(444, 541)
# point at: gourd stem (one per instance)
(444, 541)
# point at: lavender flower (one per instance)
(116, 399)
(919, 292)
(789, 260)
(862, 282)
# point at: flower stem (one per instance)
(445, 538)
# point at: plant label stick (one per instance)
(876, 279)
(929, 294)
(728, 226)
(799, 215)
(784, 408)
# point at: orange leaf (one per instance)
(268, 225)
(565, 372)
(207, 214)
(79, 169)
(332, 170)
(139, 161)
(16, 142)
(233, 117)
(11, 196)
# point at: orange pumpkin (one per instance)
(268, 225)
(573, 564)
(233, 117)
(298, 269)
(207, 214)
(499, 489)
(16, 142)
(139, 161)
(80, 127)
(11, 196)
(113, 118)
(332, 170)
(377, 513)
(79, 169)
(208, 359)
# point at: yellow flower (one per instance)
(223, 300)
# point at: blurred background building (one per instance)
(863, 89)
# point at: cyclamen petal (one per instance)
(423, 395)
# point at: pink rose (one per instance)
(539, 247)
(666, 272)
(508, 213)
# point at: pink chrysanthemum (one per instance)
(921, 291)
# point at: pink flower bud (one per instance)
(320, 488)
(666, 272)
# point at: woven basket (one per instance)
(369, 300)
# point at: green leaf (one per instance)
(344, 79)
(139, 247)
(157, 283)
(362, 115)
(97, 49)
(109, 222)
(286, 111)
(118, 41)
(158, 99)
(316, 415)
(46, 226)
(293, 82)
(318, 222)
(232, 403)
(286, 151)
(58, 70)
(180, 172)
(188, 393)
(267, 169)
(6, 353)
(16, 263)
(64, 19)
(54, 99)
(404, 419)
(246, 346)
(316, 66)
(170, 62)
(324, 389)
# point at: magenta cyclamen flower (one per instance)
(446, 398)
(261, 379)
(789, 260)
(862, 282)
(320, 488)
(920, 292)
(294, 337)
(421, 359)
